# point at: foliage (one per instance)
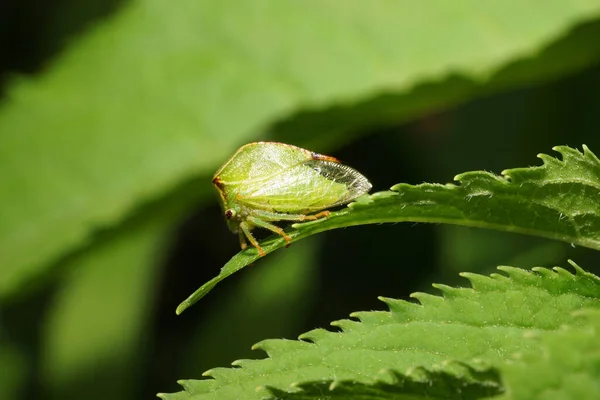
(446, 337)
(109, 148)
(557, 200)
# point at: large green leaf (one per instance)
(419, 383)
(163, 92)
(566, 365)
(486, 322)
(563, 366)
(558, 200)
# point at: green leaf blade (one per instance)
(558, 200)
(419, 342)
(551, 201)
(566, 365)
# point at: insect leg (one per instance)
(246, 230)
(275, 216)
(322, 214)
(271, 227)
(242, 237)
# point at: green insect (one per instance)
(265, 182)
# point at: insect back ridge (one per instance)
(259, 161)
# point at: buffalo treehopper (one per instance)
(265, 182)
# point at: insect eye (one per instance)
(229, 214)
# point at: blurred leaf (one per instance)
(558, 200)
(162, 93)
(486, 322)
(13, 366)
(95, 329)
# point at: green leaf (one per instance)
(419, 383)
(486, 322)
(566, 365)
(159, 94)
(558, 200)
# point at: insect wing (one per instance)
(309, 186)
(356, 184)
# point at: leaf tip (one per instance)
(237, 363)
(207, 373)
(398, 306)
(262, 345)
(426, 298)
(181, 308)
(334, 385)
(416, 373)
(361, 200)
(314, 335)
(578, 269)
(446, 290)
